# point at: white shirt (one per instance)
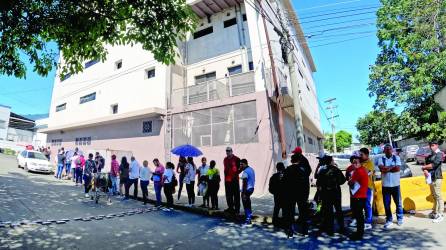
(191, 172)
(390, 179)
(250, 177)
(134, 170)
(73, 161)
(145, 173)
(168, 174)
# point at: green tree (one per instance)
(375, 126)
(343, 140)
(82, 28)
(411, 67)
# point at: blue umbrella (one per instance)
(186, 151)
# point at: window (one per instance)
(56, 142)
(147, 127)
(118, 64)
(244, 17)
(114, 108)
(230, 22)
(2, 124)
(251, 66)
(300, 73)
(83, 141)
(61, 107)
(203, 32)
(88, 98)
(65, 77)
(310, 140)
(150, 73)
(308, 87)
(205, 77)
(91, 63)
(235, 70)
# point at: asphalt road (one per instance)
(30, 196)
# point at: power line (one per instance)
(331, 24)
(339, 12)
(346, 40)
(329, 5)
(336, 17)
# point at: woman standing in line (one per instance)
(214, 184)
(182, 172)
(189, 178)
(169, 183)
(158, 180)
(80, 163)
(123, 174)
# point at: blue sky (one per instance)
(342, 66)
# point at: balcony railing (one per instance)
(218, 89)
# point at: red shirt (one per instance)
(360, 176)
(231, 168)
(114, 170)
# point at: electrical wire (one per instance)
(339, 12)
(337, 42)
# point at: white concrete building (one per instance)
(219, 93)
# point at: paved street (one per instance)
(30, 196)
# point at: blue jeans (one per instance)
(368, 207)
(158, 186)
(388, 194)
(114, 187)
(67, 168)
(59, 171)
(145, 192)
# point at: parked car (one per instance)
(409, 153)
(422, 154)
(405, 170)
(35, 161)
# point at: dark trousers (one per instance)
(331, 199)
(213, 191)
(232, 190)
(180, 185)
(129, 183)
(246, 199)
(278, 205)
(144, 190)
(168, 192)
(388, 194)
(190, 192)
(78, 173)
(302, 205)
(87, 183)
(358, 206)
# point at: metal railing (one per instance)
(218, 89)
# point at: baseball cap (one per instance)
(433, 142)
(228, 149)
(297, 150)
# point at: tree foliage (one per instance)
(375, 126)
(343, 140)
(83, 28)
(411, 67)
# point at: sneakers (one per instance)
(438, 219)
(353, 223)
(388, 225)
(400, 223)
(433, 215)
(367, 226)
(87, 195)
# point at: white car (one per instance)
(35, 161)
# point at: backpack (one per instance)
(393, 159)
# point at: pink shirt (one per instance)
(114, 170)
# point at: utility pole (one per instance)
(332, 108)
(390, 137)
(288, 57)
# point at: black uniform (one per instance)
(277, 188)
(329, 180)
(297, 185)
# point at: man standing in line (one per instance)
(370, 167)
(390, 165)
(297, 183)
(61, 159)
(133, 178)
(89, 170)
(232, 186)
(433, 167)
(203, 182)
(249, 179)
(358, 183)
(100, 161)
(277, 188)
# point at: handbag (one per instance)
(174, 181)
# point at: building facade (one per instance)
(219, 93)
